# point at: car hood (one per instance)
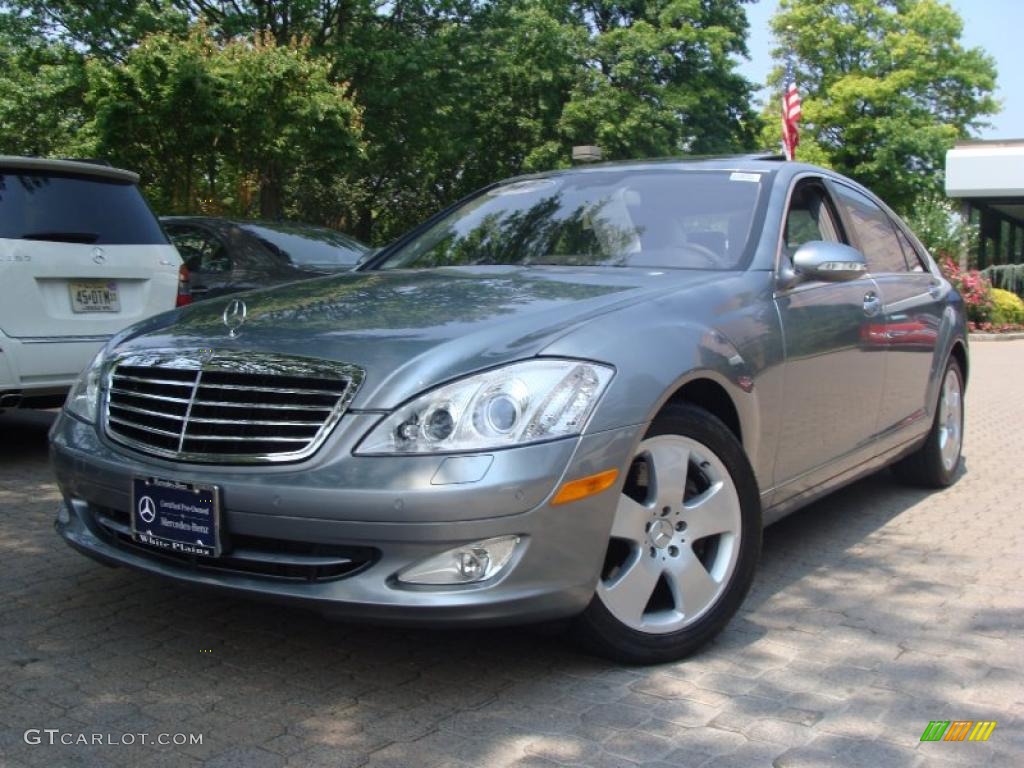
(410, 330)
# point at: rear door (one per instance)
(80, 255)
(913, 303)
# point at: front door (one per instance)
(834, 365)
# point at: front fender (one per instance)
(656, 352)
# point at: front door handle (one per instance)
(872, 304)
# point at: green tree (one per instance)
(161, 113)
(107, 29)
(230, 122)
(943, 229)
(661, 79)
(42, 91)
(887, 88)
(283, 111)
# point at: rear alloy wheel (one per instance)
(684, 543)
(935, 464)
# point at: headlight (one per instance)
(85, 395)
(517, 404)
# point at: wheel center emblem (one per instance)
(147, 509)
(661, 533)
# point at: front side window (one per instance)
(809, 218)
(875, 232)
(71, 208)
(616, 218)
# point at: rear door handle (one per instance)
(872, 304)
(935, 290)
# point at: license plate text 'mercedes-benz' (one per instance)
(178, 517)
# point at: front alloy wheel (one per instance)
(683, 544)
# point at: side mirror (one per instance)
(832, 262)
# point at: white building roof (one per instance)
(985, 169)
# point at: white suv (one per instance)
(81, 257)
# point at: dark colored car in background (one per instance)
(228, 255)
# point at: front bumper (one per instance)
(391, 511)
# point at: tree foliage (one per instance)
(228, 124)
(887, 88)
(371, 115)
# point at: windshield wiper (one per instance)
(62, 237)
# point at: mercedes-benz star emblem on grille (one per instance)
(97, 256)
(147, 509)
(234, 316)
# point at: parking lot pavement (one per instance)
(877, 610)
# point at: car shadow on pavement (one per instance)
(23, 435)
(840, 656)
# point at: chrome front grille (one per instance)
(226, 408)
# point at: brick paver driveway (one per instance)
(875, 611)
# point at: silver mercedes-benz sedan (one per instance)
(577, 394)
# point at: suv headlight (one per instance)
(516, 404)
(84, 397)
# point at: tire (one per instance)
(936, 463)
(683, 547)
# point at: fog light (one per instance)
(63, 516)
(470, 563)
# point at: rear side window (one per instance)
(66, 208)
(875, 232)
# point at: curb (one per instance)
(1013, 336)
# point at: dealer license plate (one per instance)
(177, 517)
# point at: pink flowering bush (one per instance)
(974, 287)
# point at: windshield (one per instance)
(306, 246)
(652, 218)
(66, 208)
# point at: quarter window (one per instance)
(875, 232)
(914, 263)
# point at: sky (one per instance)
(989, 24)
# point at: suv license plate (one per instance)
(94, 296)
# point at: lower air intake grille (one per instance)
(226, 408)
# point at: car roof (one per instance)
(759, 162)
(78, 167)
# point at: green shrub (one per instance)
(1007, 307)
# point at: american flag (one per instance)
(790, 113)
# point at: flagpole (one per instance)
(789, 140)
